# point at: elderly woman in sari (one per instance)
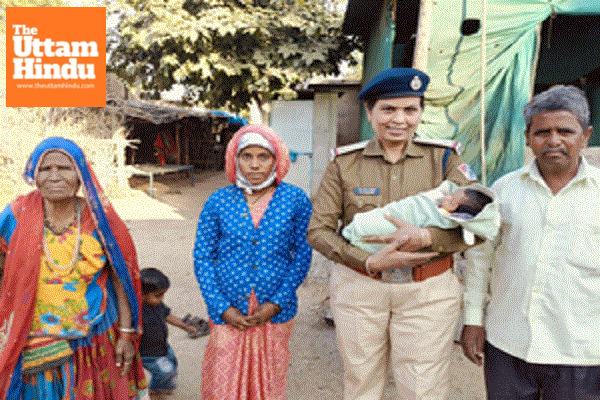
(250, 256)
(69, 306)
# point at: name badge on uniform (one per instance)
(467, 172)
(366, 191)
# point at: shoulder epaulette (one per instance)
(348, 148)
(451, 144)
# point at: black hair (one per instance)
(153, 280)
(475, 202)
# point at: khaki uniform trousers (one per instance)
(407, 327)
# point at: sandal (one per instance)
(200, 324)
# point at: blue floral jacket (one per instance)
(232, 257)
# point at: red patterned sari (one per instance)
(246, 365)
(85, 366)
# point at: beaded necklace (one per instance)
(71, 267)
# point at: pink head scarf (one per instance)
(281, 153)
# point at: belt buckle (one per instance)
(397, 275)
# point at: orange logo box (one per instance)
(56, 56)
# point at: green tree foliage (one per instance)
(24, 3)
(229, 52)
(3, 31)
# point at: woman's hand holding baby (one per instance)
(412, 237)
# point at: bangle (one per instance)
(126, 330)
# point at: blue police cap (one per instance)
(395, 82)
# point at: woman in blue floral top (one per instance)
(250, 256)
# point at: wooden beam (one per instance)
(423, 35)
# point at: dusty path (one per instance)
(315, 370)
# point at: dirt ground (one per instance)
(164, 237)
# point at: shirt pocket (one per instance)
(357, 200)
(585, 248)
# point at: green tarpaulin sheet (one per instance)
(513, 41)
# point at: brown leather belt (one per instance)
(432, 269)
(425, 271)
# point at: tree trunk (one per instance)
(260, 111)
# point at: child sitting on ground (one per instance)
(157, 356)
(445, 207)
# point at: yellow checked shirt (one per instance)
(363, 179)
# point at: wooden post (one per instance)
(423, 34)
(120, 145)
(178, 143)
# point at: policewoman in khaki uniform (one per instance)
(398, 307)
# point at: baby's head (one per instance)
(466, 201)
(154, 286)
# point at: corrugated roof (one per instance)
(157, 113)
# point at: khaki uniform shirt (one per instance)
(363, 179)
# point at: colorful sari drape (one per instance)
(21, 235)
